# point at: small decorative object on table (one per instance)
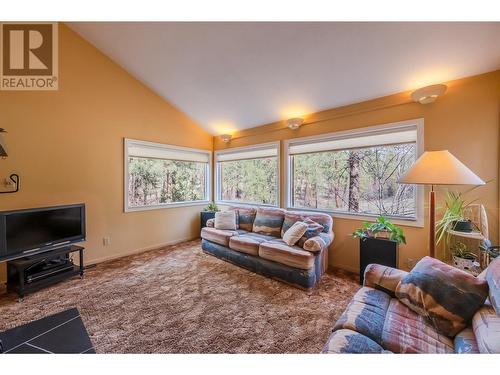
(208, 213)
(378, 244)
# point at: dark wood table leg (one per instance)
(20, 293)
(81, 263)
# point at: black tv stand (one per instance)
(34, 272)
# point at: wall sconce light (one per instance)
(226, 138)
(428, 94)
(294, 123)
(3, 148)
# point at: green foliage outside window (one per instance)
(355, 181)
(251, 180)
(159, 181)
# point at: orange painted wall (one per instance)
(465, 121)
(67, 146)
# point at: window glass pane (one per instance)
(252, 181)
(160, 181)
(362, 180)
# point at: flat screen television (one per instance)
(27, 232)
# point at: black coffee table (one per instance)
(63, 332)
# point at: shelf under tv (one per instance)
(21, 281)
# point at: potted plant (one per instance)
(454, 217)
(463, 258)
(378, 243)
(208, 213)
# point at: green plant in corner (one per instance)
(381, 228)
(212, 207)
(454, 213)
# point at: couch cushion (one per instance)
(493, 279)
(219, 236)
(293, 256)
(348, 341)
(486, 325)
(407, 332)
(446, 296)
(248, 243)
(465, 342)
(246, 216)
(366, 313)
(269, 221)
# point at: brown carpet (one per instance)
(181, 300)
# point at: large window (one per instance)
(248, 175)
(356, 172)
(159, 175)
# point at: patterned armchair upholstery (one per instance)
(375, 321)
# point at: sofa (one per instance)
(257, 244)
(376, 321)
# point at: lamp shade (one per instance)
(439, 168)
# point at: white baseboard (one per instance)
(137, 251)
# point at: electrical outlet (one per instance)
(106, 241)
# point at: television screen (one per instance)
(42, 228)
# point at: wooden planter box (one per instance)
(376, 250)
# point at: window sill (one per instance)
(234, 203)
(417, 223)
(168, 205)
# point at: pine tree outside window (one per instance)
(248, 175)
(158, 176)
(355, 173)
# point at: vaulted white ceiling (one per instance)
(230, 76)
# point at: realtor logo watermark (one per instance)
(29, 58)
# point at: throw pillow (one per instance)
(246, 216)
(269, 221)
(313, 229)
(493, 279)
(295, 232)
(225, 220)
(291, 217)
(446, 296)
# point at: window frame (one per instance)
(218, 177)
(208, 175)
(418, 124)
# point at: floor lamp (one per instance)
(438, 168)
